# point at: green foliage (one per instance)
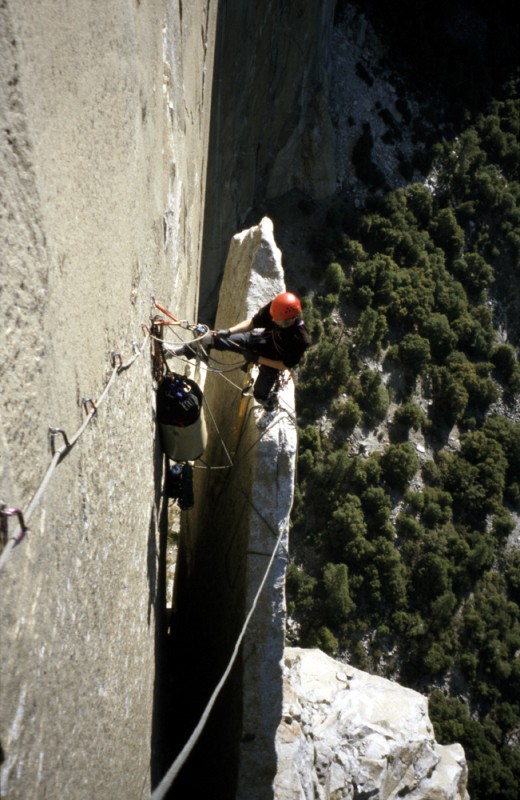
(491, 775)
(512, 574)
(414, 353)
(476, 476)
(436, 659)
(507, 367)
(503, 524)
(325, 640)
(372, 329)
(325, 369)
(374, 279)
(447, 233)
(300, 588)
(420, 203)
(337, 602)
(346, 529)
(420, 274)
(441, 337)
(349, 415)
(409, 416)
(473, 272)
(377, 506)
(372, 397)
(475, 332)
(334, 278)
(400, 464)
(461, 385)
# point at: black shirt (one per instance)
(284, 344)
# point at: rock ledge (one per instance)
(346, 734)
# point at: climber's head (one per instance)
(285, 309)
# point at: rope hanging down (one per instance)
(57, 456)
(160, 792)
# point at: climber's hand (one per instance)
(223, 333)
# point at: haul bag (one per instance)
(181, 421)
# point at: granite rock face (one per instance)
(271, 125)
(347, 734)
(104, 120)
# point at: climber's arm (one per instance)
(242, 327)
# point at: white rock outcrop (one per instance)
(346, 734)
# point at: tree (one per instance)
(347, 525)
(447, 233)
(473, 272)
(414, 353)
(373, 397)
(350, 414)
(409, 415)
(436, 659)
(449, 394)
(326, 641)
(430, 578)
(377, 506)
(300, 590)
(506, 364)
(334, 278)
(438, 331)
(337, 602)
(399, 463)
(420, 202)
(372, 328)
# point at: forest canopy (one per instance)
(402, 555)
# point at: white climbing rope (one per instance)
(160, 792)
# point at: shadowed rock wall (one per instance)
(104, 126)
(270, 127)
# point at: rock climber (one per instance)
(275, 338)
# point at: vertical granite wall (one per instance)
(105, 115)
(270, 128)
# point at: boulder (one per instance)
(346, 734)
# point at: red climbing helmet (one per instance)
(285, 306)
